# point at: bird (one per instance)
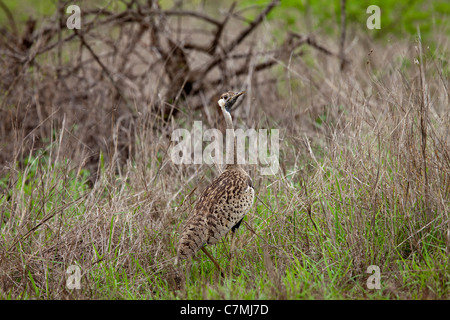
(223, 204)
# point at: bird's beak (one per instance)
(231, 102)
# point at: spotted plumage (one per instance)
(223, 204)
(221, 207)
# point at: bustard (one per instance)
(223, 204)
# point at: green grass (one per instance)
(350, 192)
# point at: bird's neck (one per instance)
(231, 159)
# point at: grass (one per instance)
(363, 180)
(314, 239)
(302, 249)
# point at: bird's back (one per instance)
(221, 206)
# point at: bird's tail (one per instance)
(192, 239)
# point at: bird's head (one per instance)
(228, 99)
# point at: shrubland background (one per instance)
(86, 177)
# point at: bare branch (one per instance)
(343, 32)
(241, 36)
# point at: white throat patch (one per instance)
(221, 102)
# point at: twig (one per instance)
(10, 18)
(423, 121)
(240, 37)
(60, 209)
(190, 13)
(313, 43)
(213, 47)
(104, 68)
(343, 32)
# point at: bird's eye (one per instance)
(225, 97)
